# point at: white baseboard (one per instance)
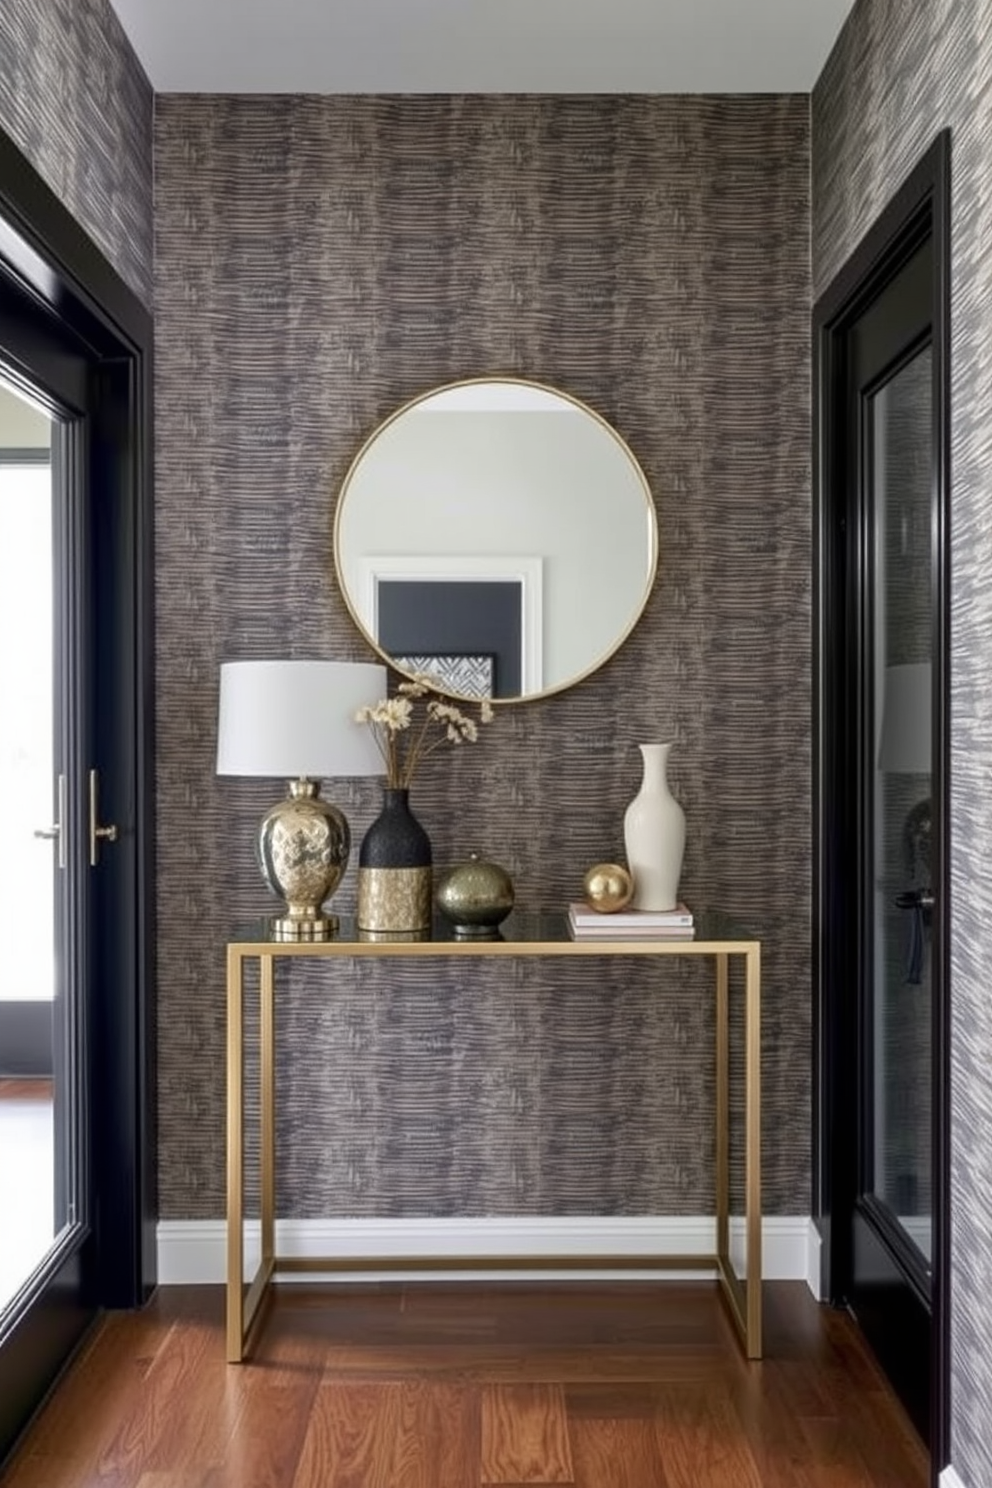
(814, 1274)
(950, 1479)
(194, 1251)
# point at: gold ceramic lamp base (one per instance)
(303, 847)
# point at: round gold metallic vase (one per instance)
(394, 870)
(476, 897)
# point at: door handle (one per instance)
(97, 833)
(55, 834)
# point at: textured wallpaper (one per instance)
(318, 262)
(75, 100)
(899, 74)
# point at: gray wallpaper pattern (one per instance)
(318, 262)
(75, 100)
(898, 74)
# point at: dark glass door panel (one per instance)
(898, 1166)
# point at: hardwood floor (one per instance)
(26, 1088)
(458, 1386)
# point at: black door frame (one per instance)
(48, 260)
(921, 206)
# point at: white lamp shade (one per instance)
(297, 718)
(904, 741)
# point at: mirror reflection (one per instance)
(498, 535)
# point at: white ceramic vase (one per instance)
(654, 834)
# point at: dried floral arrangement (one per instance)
(414, 723)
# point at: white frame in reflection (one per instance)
(475, 568)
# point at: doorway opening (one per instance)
(31, 1205)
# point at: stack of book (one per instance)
(630, 924)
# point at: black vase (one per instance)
(394, 870)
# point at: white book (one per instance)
(628, 932)
(659, 919)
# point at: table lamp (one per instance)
(904, 748)
(296, 719)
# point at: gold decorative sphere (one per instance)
(608, 887)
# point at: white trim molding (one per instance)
(950, 1479)
(194, 1251)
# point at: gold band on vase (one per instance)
(395, 899)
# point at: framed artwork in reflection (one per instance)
(467, 676)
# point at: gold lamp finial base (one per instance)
(288, 927)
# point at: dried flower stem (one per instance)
(391, 717)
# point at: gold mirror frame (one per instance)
(579, 406)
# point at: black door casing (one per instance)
(890, 299)
(71, 328)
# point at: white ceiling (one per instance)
(483, 46)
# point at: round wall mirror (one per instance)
(498, 536)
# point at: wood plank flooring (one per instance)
(26, 1088)
(461, 1386)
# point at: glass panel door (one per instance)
(901, 998)
(75, 733)
(34, 1170)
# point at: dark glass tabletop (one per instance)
(526, 932)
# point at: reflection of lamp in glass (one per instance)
(904, 749)
(296, 719)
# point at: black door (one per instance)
(75, 725)
(47, 1246)
(882, 786)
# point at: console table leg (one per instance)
(267, 1102)
(722, 1110)
(235, 1157)
(752, 1160)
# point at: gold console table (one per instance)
(545, 935)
